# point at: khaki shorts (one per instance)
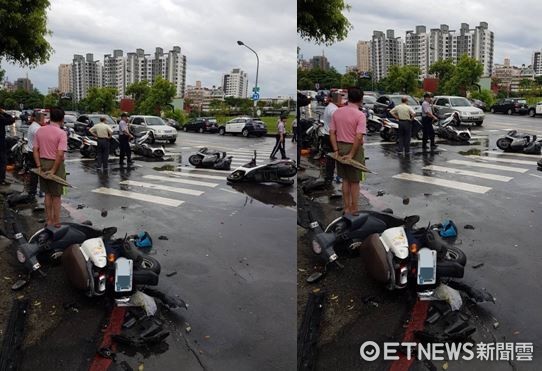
(348, 172)
(51, 187)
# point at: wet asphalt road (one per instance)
(231, 248)
(505, 212)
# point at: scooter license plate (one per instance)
(427, 267)
(123, 275)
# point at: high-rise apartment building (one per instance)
(536, 62)
(201, 97)
(86, 73)
(320, 62)
(417, 49)
(483, 47)
(235, 83)
(24, 83)
(114, 72)
(386, 51)
(65, 78)
(363, 53)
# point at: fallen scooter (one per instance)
(89, 147)
(519, 142)
(278, 171)
(447, 128)
(390, 129)
(210, 159)
(75, 141)
(140, 147)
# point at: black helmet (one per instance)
(283, 116)
(427, 94)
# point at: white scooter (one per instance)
(142, 148)
(279, 171)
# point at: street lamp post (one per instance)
(240, 43)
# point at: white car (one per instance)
(535, 110)
(244, 126)
(450, 104)
(158, 129)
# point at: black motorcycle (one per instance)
(210, 159)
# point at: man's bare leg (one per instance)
(56, 201)
(48, 209)
(346, 196)
(354, 196)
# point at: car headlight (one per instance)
(316, 248)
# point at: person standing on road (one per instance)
(404, 114)
(49, 144)
(32, 184)
(102, 132)
(5, 120)
(346, 131)
(124, 140)
(332, 106)
(280, 139)
(427, 122)
(294, 131)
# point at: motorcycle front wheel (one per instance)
(456, 255)
(195, 160)
(148, 263)
(236, 176)
(504, 144)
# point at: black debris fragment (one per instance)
(468, 226)
(171, 274)
(80, 206)
(406, 201)
(104, 213)
(163, 238)
(478, 265)
(380, 193)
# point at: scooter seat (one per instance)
(374, 255)
(75, 266)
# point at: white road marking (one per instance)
(500, 178)
(508, 160)
(509, 154)
(537, 176)
(443, 183)
(138, 196)
(177, 180)
(229, 190)
(185, 168)
(163, 187)
(178, 173)
(488, 166)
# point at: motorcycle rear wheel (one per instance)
(457, 255)
(504, 143)
(148, 263)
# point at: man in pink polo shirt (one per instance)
(348, 125)
(50, 143)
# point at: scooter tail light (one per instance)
(20, 256)
(111, 258)
(316, 248)
(413, 248)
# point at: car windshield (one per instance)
(108, 120)
(69, 118)
(522, 101)
(397, 100)
(154, 121)
(369, 99)
(460, 102)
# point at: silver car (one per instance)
(467, 112)
(158, 129)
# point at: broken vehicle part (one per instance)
(12, 337)
(307, 338)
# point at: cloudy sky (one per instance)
(207, 32)
(517, 34)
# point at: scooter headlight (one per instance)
(316, 247)
(20, 256)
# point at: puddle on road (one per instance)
(269, 194)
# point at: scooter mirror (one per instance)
(316, 276)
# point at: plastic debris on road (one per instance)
(451, 296)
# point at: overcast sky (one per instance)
(207, 32)
(517, 33)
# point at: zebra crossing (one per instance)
(174, 188)
(466, 173)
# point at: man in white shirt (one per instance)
(331, 107)
(32, 184)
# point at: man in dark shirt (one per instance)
(5, 120)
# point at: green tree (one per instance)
(101, 99)
(404, 79)
(444, 70)
(467, 73)
(176, 114)
(50, 100)
(322, 21)
(23, 27)
(485, 96)
(138, 90)
(349, 79)
(160, 95)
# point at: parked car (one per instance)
(245, 126)
(511, 106)
(69, 121)
(173, 123)
(202, 125)
(535, 110)
(84, 120)
(478, 104)
(466, 111)
(157, 127)
(382, 103)
(369, 101)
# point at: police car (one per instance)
(245, 126)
